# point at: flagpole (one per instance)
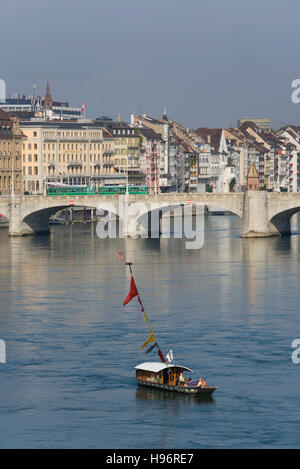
(130, 266)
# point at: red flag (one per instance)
(133, 292)
(161, 356)
(83, 106)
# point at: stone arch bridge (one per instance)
(262, 213)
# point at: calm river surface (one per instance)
(229, 311)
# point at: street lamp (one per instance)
(12, 177)
(126, 174)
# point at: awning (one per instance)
(156, 367)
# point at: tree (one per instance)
(232, 185)
(208, 187)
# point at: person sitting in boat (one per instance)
(191, 382)
(181, 379)
(199, 383)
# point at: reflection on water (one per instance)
(229, 311)
(157, 394)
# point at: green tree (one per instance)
(232, 184)
(208, 187)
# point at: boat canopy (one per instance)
(156, 367)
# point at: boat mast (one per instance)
(130, 264)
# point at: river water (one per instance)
(229, 311)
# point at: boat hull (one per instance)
(191, 390)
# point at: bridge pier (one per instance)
(133, 224)
(255, 219)
(16, 225)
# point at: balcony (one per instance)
(69, 138)
(74, 164)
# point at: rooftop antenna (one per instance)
(34, 94)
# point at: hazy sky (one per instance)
(209, 62)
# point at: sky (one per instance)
(207, 62)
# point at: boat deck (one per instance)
(182, 389)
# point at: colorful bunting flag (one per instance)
(170, 356)
(147, 320)
(132, 293)
(161, 356)
(151, 338)
(151, 348)
(140, 301)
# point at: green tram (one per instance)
(122, 190)
(103, 190)
(70, 190)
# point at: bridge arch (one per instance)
(281, 208)
(282, 220)
(39, 221)
(231, 202)
(32, 214)
(148, 220)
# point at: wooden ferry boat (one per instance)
(166, 377)
(162, 375)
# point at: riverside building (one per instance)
(64, 152)
(10, 155)
(126, 152)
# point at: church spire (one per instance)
(48, 101)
